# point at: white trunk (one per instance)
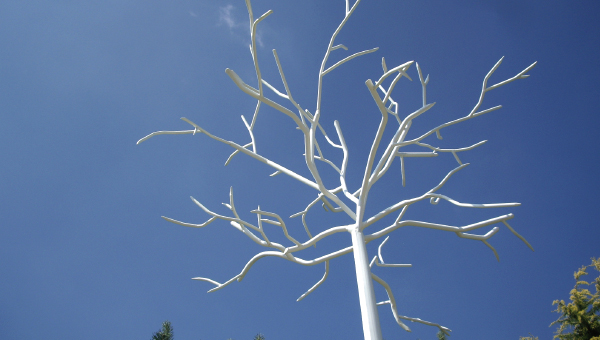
(366, 293)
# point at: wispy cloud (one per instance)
(226, 17)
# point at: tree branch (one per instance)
(312, 289)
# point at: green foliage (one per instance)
(166, 333)
(442, 336)
(580, 319)
(530, 337)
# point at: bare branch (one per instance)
(517, 235)
(401, 69)
(184, 132)
(424, 83)
(251, 134)
(275, 90)
(278, 223)
(285, 84)
(286, 256)
(349, 12)
(309, 124)
(258, 95)
(392, 301)
(342, 171)
(520, 75)
(339, 46)
(460, 231)
(453, 151)
(348, 58)
(312, 289)
(255, 156)
(474, 112)
(379, 259)
(436, 197)
(443, 227)
(450, 174)
(408, 202)
(389, 154)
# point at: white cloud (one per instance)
(226, 17)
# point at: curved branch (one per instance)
(392, 303)
(454, 229)
(256, 94)
(286, 256)
(436, 197)
(278, 223)
(312, 289)
(320, 197)
(474, 112)
(460, 231)
(184, 132)
(348, 58)
(379, 259)
(255, 156)
(408, 202)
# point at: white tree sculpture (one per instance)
(340, 198)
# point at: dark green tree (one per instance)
(580, 319)
(530, 337)
(259, 336)
(166, 333)
(442, 336)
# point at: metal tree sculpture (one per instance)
(341, 198)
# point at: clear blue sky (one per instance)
(84, 253)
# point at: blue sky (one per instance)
(84, 253)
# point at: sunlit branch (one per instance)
(236, 222)
(286, 256)
(258, 95)
(183, 132)
(460, 231)
(312, 289)
(358, 54)
(253, 24)
(331, 199)
(344, 163)
(443, 227)
(389, 154)
(401, 69)
(379, 259)
(278, 223)
(320, 157)
(453, 151)
(424, 83)
(339, 46)
(253, 143)
(285, 84)
(391, 301)
(364, 188)
(255, 156)
(517, 235)
(474, 112)
(408, 202)
(236, 152)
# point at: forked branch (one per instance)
(339, 197)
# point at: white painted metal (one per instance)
(341, 199)
(366, 293)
